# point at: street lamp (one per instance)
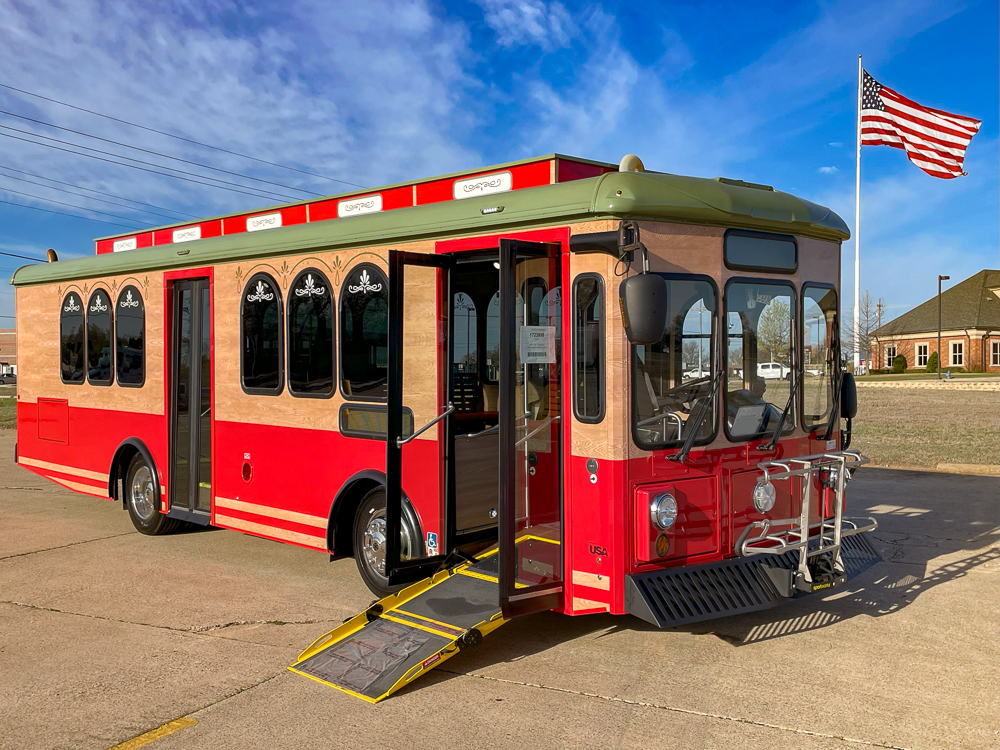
(940, 279)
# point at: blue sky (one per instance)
(386, 90)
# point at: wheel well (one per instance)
(120, 463)
(340, 528)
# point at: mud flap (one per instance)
(391, 644)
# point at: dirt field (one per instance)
(925, 427)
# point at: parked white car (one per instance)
(772, 371)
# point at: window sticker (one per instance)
(538, 345)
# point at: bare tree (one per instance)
(774, 331)
(860, 340)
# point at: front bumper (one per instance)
(693, 593)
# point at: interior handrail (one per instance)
(538, 429)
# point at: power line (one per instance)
(99, 192)
(73, 205)
(88, 197)
(178, 137)
(132, 166)
(155, 153)
(63, 213)
(25, 257)
(261, 191)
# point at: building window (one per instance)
(922, 355)
(890, 354)
(310, 335)
(130, 337)
(261, 334)
(364, 333)
(995, 354)
(957, 353)
(99, 348)
(588, 347)
(71, 339)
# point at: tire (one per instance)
(142, 502)
(369, 542)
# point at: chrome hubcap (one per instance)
(373, 544)
(142, 494)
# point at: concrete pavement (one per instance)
(106, 634)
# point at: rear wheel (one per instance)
(370, 538)
(142, 501)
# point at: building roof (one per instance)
(973, 303)
(616, 195)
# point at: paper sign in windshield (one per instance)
(538, 345)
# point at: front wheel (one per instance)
(142, 501)
(370, 538)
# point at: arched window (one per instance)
(261, 334)
(310, 335)
(130, 335)
(364, 333)
(71, 338)
(99, 347)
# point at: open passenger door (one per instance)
(460, 599)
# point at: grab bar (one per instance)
(538, 429)
(494, 428)
(401, 441)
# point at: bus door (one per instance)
(190, 482)
(419, 415)
(530, 555)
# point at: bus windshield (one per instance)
(671, 378)
(760, 329)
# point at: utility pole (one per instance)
(879, 307)
(940, 279)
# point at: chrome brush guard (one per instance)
(820, 563)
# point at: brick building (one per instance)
(970, 329)
(8, 351)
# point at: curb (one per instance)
(978, 469)
(933, 385)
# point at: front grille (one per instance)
(678, 596)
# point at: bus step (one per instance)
(393, 642)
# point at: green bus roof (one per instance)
(617, 195)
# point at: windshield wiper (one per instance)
(778, 428)
(695, 424)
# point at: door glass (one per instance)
(205, 409)
(180, 492)
(537, 388)
(819, 355)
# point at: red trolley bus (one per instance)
(555, 384)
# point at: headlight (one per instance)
(763, 497)
(663, 511)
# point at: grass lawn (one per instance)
(8, 413)
(925, 426)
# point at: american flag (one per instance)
(933, 140)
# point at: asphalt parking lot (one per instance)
(106, 634)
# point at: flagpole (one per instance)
(857, 235)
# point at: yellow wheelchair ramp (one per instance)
(397, 639)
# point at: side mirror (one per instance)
(848, 396)
(643, 301)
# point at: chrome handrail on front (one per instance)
(401, 441)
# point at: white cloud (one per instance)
(368, 92)
(828, 170)
(529, 22)
(835, 144)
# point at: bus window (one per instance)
(310, 335)
(261, 329)
(760, 330)
(130, 335)
(99, 370)
(672, 378)
(820, 357)
(364, 333)
(493, 334)
(588, 348)
(757, 251)
(71, 364)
